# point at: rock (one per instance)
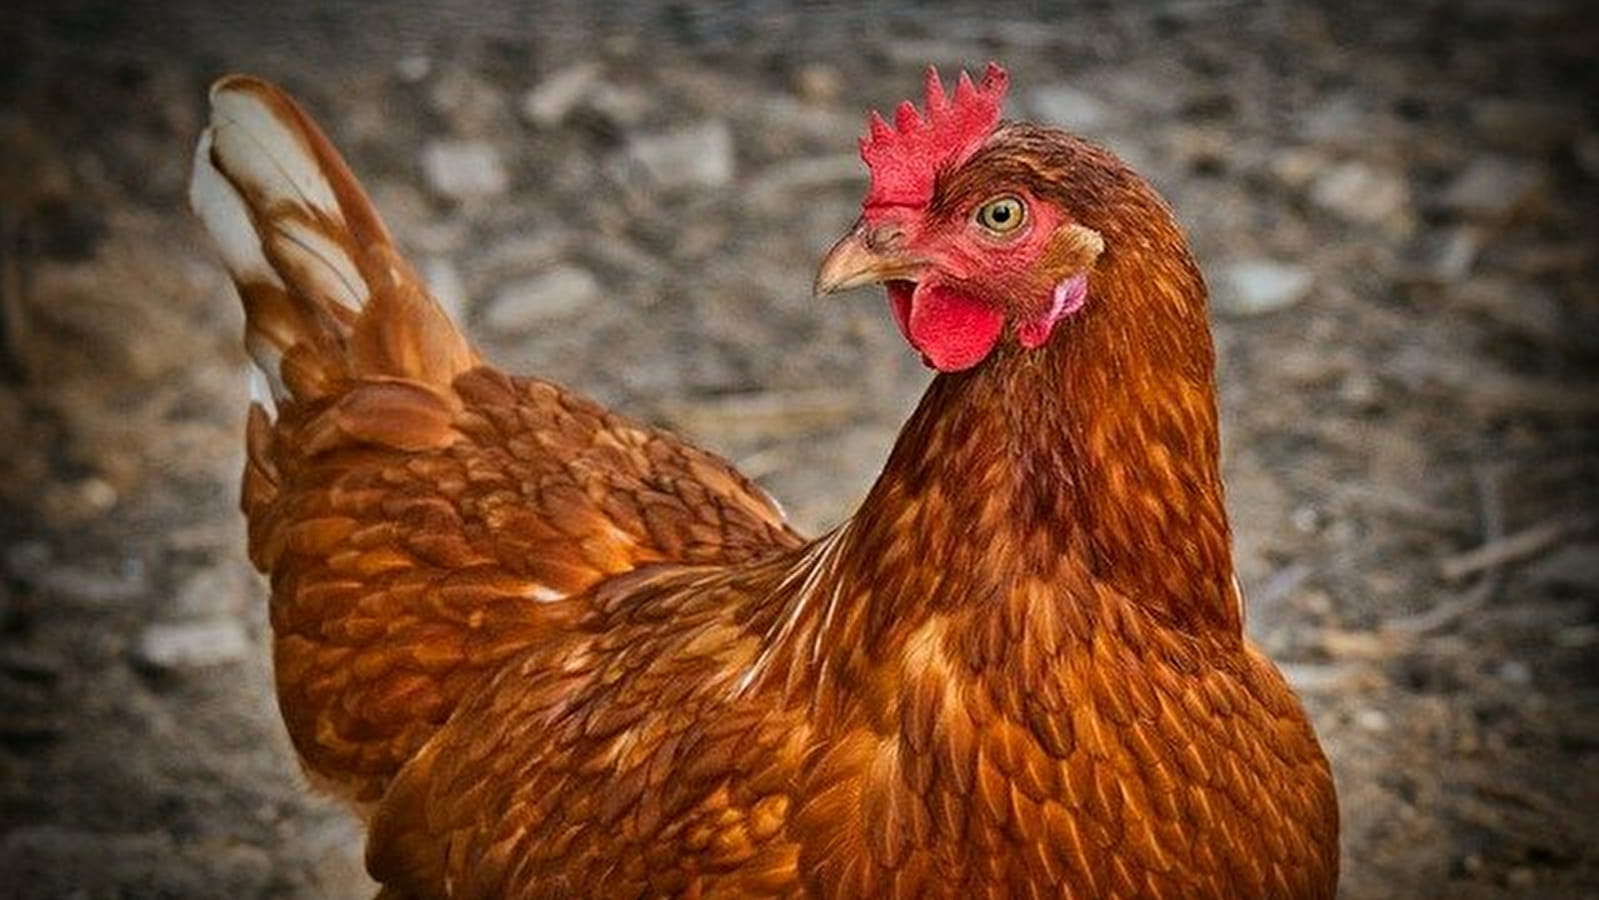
(624, 107)
(1296, 167)
(1514, 672)
(1157, 93)
(698, 156)
(1587, 153)
(522, 253)
(1371, 719)
(28, 561)
(413, 67)
(470, 104)
(217, 590)
(1573, 567)
(548, 104)
(1360, 389)
(1339, 120)
(31, 665)
(192, 645)
(950, 56)
(1257, 286)
(1518, 305)
(41, 861)
(1495, 188)
(33, 564)
(1448, 256)
(779, 187)
(444, 281)
(818, 83)
(1525, 126)
(1362, 193)
(525, 305)
(1320, 678)
(464, 169)
(1067, 107)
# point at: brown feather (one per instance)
(555, 652)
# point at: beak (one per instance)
(866, 256)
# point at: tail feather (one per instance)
(327, 296)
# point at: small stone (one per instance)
(1494, 188)
(622, 106)
(1587, 153)
(1449, 256)
(28, 664)
(1362, 193)
(524, 252)
(192, 645)
(220, 589)
(414, 67)
(1577, 637)
(1518, 304)
(1360, 389)
(1259, 286)
(444, 282)
(97, 493)
(464, 170)
(1296, 167)
(469, 104)
(1514, 672)
(33, 564)
(699, 156)
(1067, 107)
(1316, 678)
(1339, 119)
(548, 104)
(28, 561)
(1373, 720)
(1526, 126)
(818, 83)
(1573, 567)
(524, 305)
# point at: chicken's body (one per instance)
(552, 652)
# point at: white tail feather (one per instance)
(263, 152)
(227, 218)
(327, 297)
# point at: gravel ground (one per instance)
(1394, 203)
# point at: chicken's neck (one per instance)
(1093, 457)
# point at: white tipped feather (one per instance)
(228, 220)
(262, 152)
(268, 366)
(309, 247)
(306, 249)
(261, 392)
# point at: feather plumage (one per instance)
(551, 652)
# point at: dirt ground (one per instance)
(1394, 203)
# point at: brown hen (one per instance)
(549, 651)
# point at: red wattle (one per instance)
(953, 331)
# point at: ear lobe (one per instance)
(1074, 248)
(1067, 298)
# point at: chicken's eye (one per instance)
(1002, 215)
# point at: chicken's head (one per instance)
(967, 225)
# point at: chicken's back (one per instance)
(422, 516)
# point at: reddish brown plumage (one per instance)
(552, 652)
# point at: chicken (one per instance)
(549, 651)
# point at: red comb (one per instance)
(905, 158)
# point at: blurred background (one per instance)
(1394, 203)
